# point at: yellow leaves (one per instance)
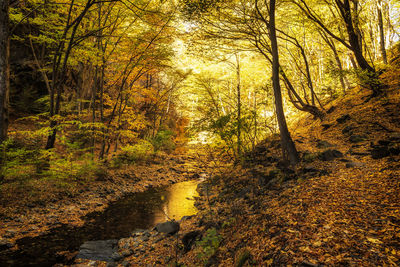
(374, 240)
(269, 262)
(317, 243)
(305, 249)
(392, 252)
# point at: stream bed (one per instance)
(135, 211)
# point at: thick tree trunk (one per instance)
(4, 68)
(288, 148)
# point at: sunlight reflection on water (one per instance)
(178, 201)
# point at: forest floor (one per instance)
(339, 207)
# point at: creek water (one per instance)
(135, 211)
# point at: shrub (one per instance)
(133, 153)
(209, 244)
(18, 162)
(164, 141)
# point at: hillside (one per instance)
(340, 206)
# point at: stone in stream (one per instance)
(170, 227)
(102, 250)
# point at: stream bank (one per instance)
(40, 220)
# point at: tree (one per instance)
(349, 16)
(4, 68)
(381, 31)
(288, 148)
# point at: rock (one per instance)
(103, 250)
(394, 149)
(137, 232)
(343, 119)
(347, 129)
(185, 218)
(195, 176)
(358, 152)
(323, 144)
(380, 152)
(331, 154)
(144, 238)
(310, 170)
(170, 227)
(323, 172)
(189, 239)
(326, 126)
(126, 253)
(354, 164)
(384, 142)
(331, 109)
(4, 244)
(356, 138)
(310, 157)
(116, 256)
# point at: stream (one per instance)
(135, 211)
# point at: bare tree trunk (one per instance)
(288, 148)
(4, 68)
(239, 152)
(381, 32)
(354, 38)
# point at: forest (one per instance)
(273, 126)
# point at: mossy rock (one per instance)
(310, 157)
(243, 257)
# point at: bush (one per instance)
(18, 162)
(164, 141)
(209, 244)
(133, 153)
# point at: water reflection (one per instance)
(177, 201)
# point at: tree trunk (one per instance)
(381, 32)
(354, 39)
(4, 68)
(239, 144)
(288, 148)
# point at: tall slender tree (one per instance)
(288, 147)
(4, 68)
